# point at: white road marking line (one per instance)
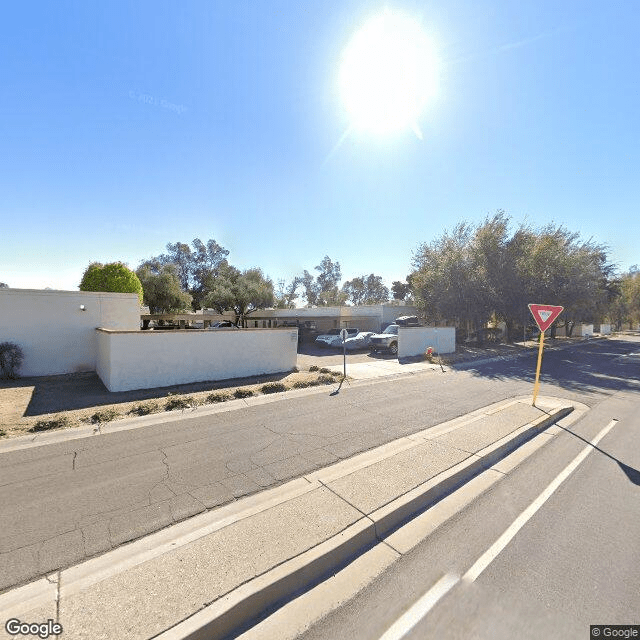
(490, 555)
(419, 610)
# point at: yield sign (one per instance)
(544, 314)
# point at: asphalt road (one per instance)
(491, 573)
(65, 502)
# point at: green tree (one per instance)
(241, 291)
(286, 294)
(477, 272)
(3, 285)
(323, 290)
(197, 266)
(162, 290)
(366, 290)
(114, 276)
(402, 290)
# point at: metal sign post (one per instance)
(344, 334)
(544, 315)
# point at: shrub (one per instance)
(273, 387)
(220, 396)
(56, 422)
(104, 415)
(325, 379)
(2, 433)
(314, 367)
(180, 402)
(243, 393)
(145, 408)
(302, 384)
(115, 276)
(11, 358)
(325, 370)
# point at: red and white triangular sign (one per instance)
(545, 314)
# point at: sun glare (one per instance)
(388, 74)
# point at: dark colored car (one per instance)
(408, 321)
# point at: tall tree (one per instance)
(366, 290)
(197, 266)
(327, 282)
(286, 294)
(244, 292)
(401, 290)
(162, 290)
(476, 272)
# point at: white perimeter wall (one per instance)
(147, 359)
(414, 341)
(605, 329)
(586, 330)
(56, 336)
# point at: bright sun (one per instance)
(388, 74)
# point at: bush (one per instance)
(2, 433)
(273, 387)
(325, 379)
(314, 367)
(302, 384)
(104, 415)
(220, 396)
(145, 408)
(115, 276)
(243, 393)
(180, 402)
(57, 422)
(325, 370)
(11, 358)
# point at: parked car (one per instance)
(332, 337)
(223, 324)
(360, 341)
(408, 321)
(385, 341)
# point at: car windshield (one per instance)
(392, 328)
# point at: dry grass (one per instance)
(53, 402)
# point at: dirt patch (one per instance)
(31, 404)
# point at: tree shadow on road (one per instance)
(593, 367)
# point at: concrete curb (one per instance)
(238, 608)
(126, 424)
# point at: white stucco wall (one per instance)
(414, 341)
(586, 330)
(56, 336)
(148, 359)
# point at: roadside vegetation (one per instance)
(174, 401)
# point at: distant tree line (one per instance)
(471, 275)
(200, 276)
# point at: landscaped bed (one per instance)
(30, 405)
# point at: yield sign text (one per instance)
(544, 314)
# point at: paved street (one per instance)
(574, 563)
(65, 502)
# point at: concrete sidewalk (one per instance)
(209, 575)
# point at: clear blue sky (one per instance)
(128, 125)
